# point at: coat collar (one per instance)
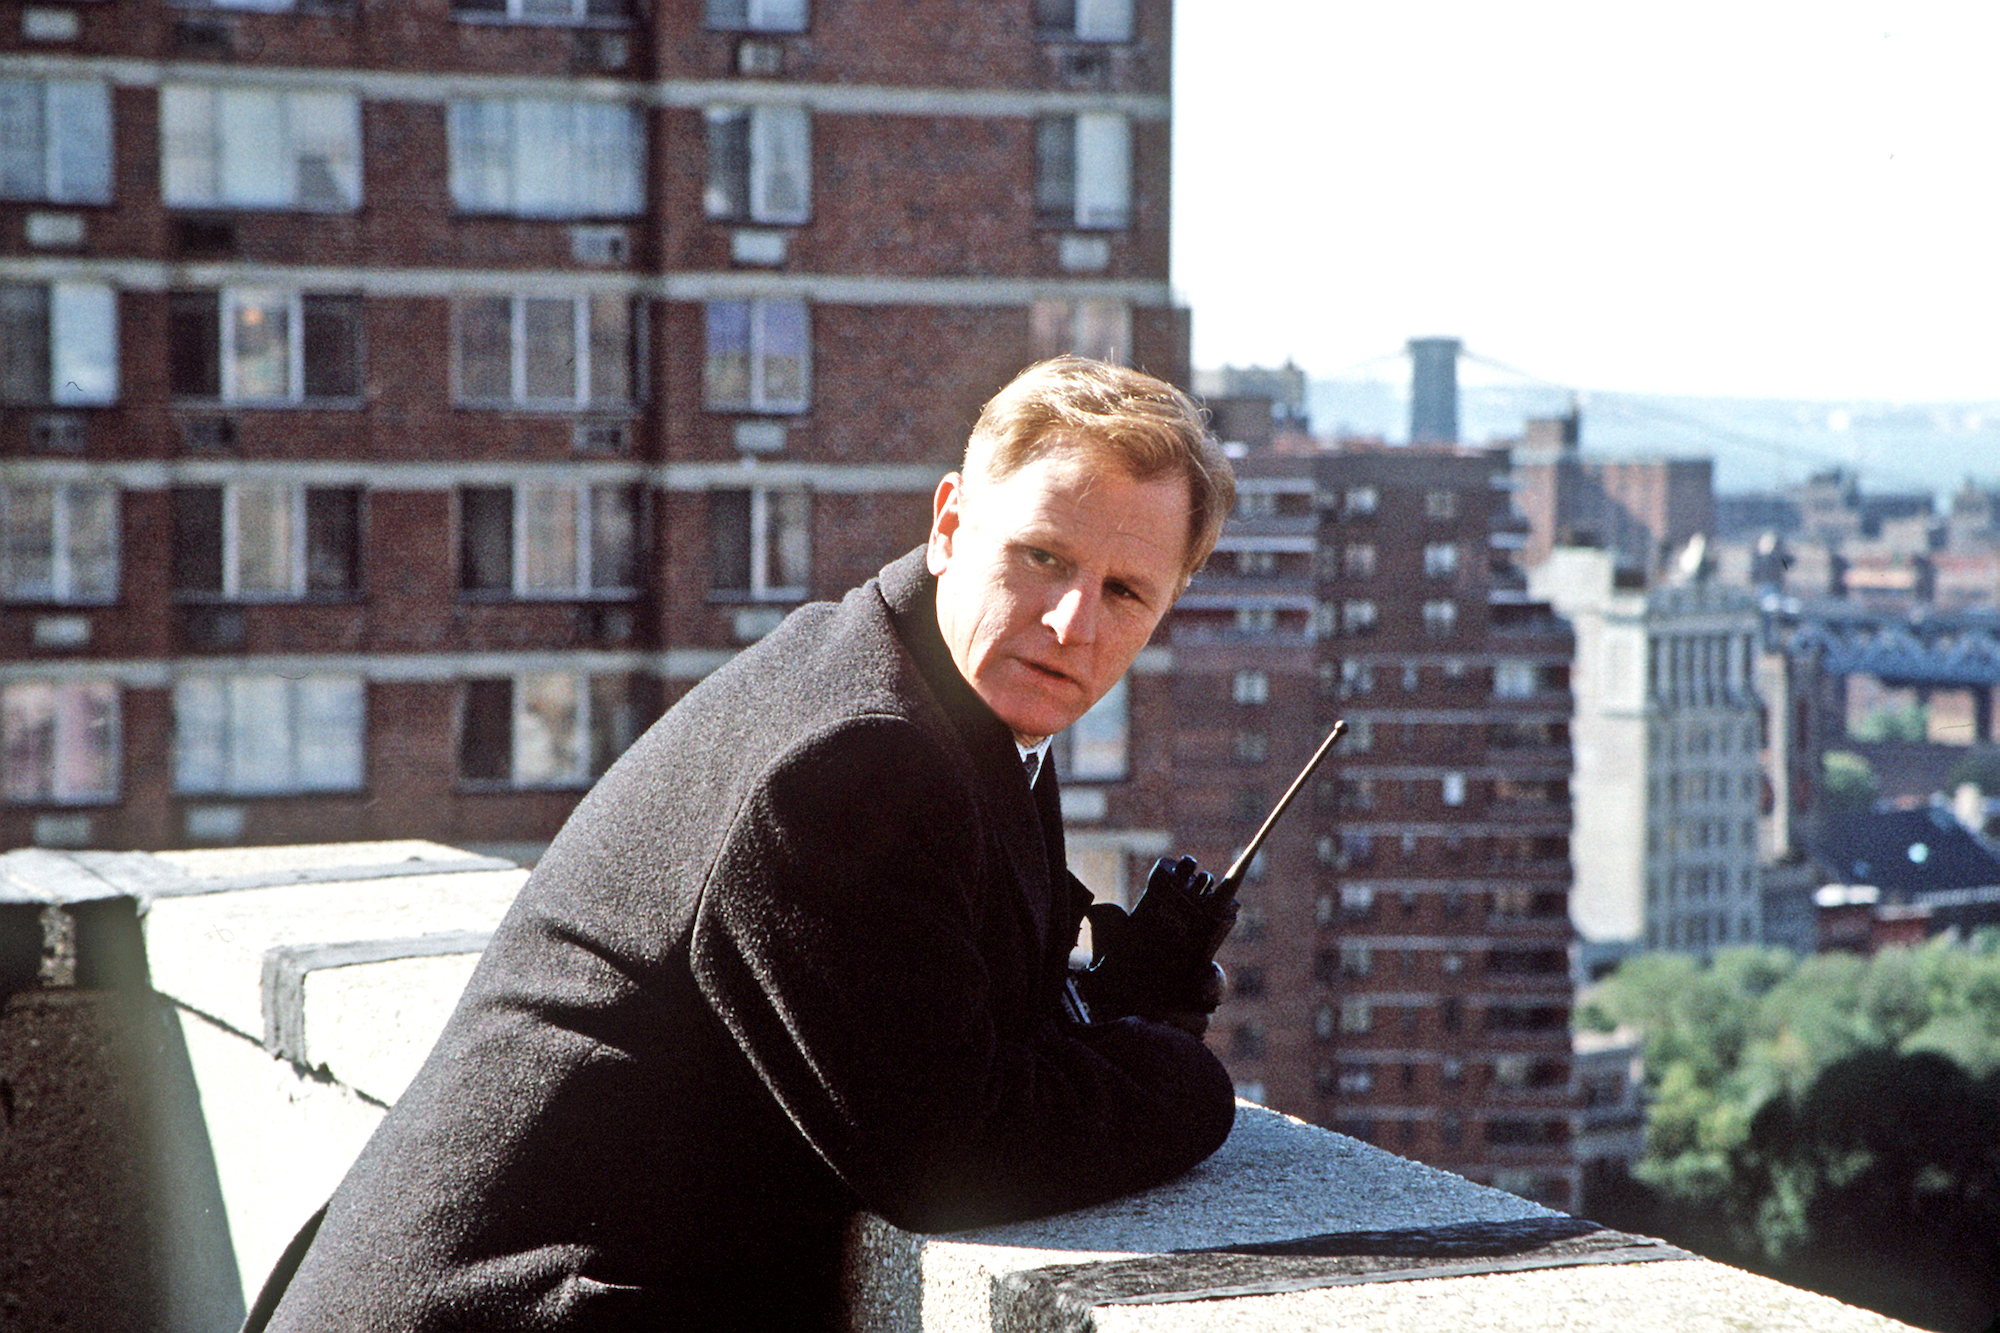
(910, 590)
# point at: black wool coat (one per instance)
(797, 954)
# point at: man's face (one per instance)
(1051, 580)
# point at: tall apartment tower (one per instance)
(1669, 773)
(1401, 968)
(402, 400)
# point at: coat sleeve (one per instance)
(845, 938)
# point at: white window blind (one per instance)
(260, 148)
(55, 140)
(1103, 170)
(536, 157)
(253, 735)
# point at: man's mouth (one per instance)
(1048, 672)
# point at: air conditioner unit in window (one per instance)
(202, 237)
(599, 245)
(208, 435)
(1085, 66)
(599, 52)
(59, 433)
(211, 628)
(203, 35)
(605, 624)
(760, 59)
(603, 437)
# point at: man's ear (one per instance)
(946, 514)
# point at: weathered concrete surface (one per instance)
(1684, 1296)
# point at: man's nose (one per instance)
(1074, 616)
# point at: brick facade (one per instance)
(919, 265)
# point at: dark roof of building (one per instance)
(1904, 852)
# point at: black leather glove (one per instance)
(1158, 961)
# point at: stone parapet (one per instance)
(299, 988)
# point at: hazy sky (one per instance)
(1747, 198)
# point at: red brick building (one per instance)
(1401, 968)
(1644, 510)
(401, 402)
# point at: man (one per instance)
(800, 951)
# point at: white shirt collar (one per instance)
(1039, 753)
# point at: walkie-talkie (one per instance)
(1179, 922)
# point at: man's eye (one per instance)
(1040, 557)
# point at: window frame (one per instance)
(54, 149)
(1084, 171)
(583, 555)
(511, 13)
(771, 13)
(62, 724)
(519, 345)
(62, 589)
(1059, 326)
(591, 758)
(232, 724)
(759, 400)
(230, 302)
(1107, 29)
(198, 154)
(78, 344)
(298, 547)
(747, 195)
(1104, 735)
(758, 530)
(470, 174)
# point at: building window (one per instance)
(1356, 1079)
(541, 11)
(59, 741)
(1096, 747)
(759, 164)
(1357, 901)
(1356, 960)
(1359, 561)
(760, 544)
(266, 541)
(1252, 747)
(1083, 170)
(1451, 788)
(1356, 1017)
(549, 540)
(1441, 504)
(1247, 1041)
(1440, 560)
(58, 543)
(1440, 618)
(1250, 687)
(55, 140)
(547, 158)
(256, 345)
(260, 148)
(1084, 20)
(1360, 501)
(58, 343)
(1358, 617)
(561, 352)
(759, 357)
(755, 15)
(1513, 680)
(254, 735)
(545, 729)
(1257, 564)
(1248, 983)
(1094, 328)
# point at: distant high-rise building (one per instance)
(1401, 970)
(1667, 732)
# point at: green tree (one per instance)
(1847, 781)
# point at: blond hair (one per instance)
(1112, 415)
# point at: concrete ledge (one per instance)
(300, 988)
